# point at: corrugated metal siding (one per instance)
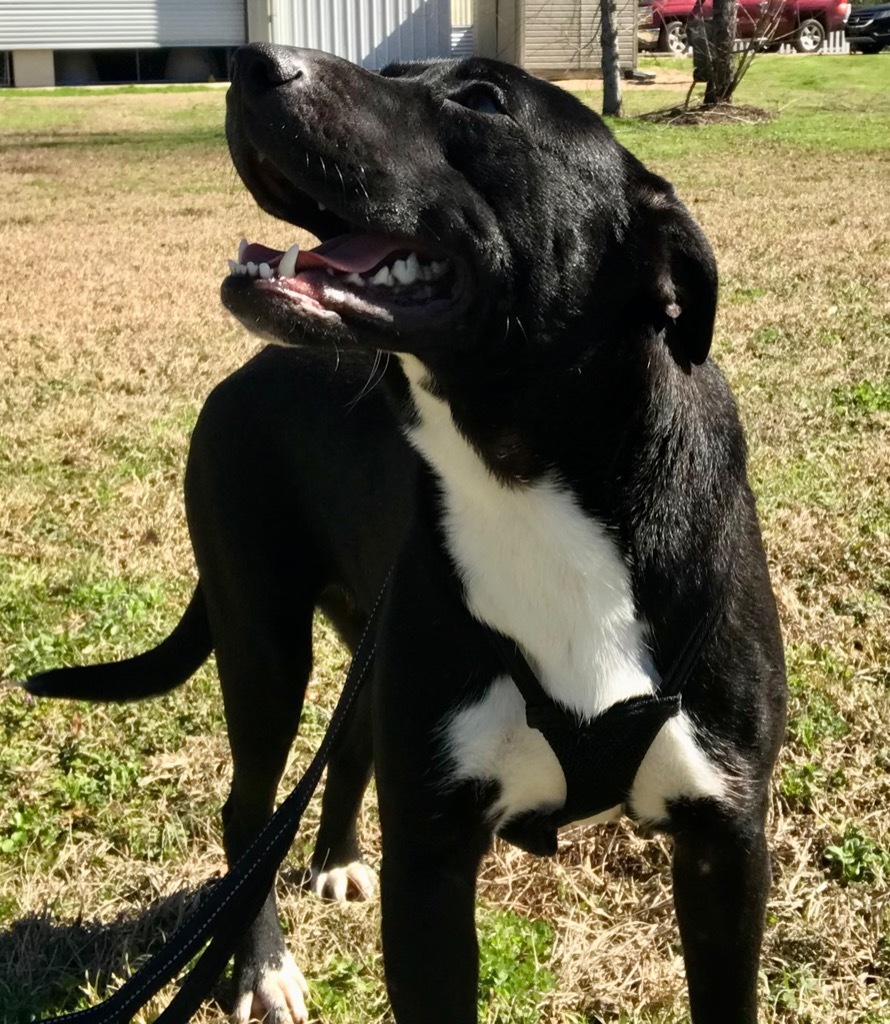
(462, 41)
(201, 22)
(119, 24)
(461, 12)
(369, 32)
(562, 37)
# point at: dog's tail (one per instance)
(146, 675)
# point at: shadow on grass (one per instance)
(49, 966)
(86, 140)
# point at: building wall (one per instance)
(120, 24)
(461, 12)
(369, 32)
(561, 38)
(33, 69)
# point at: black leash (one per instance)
(237, 898)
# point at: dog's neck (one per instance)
(534, 565)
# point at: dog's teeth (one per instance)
(234, 266)
(400, 272)
(322, 207)
(407, 271)
(355, 279)
(413, 267)
(438, 268)
(265, 271)
(252, 268)
(242, 248)
(383, 276)
(287, 265)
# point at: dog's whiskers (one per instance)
(336, 349)
(426, 227)
(342, 180)
(521, 328)
(373, 378)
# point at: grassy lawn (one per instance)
(118, 209)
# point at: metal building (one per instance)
(368, 32)
(50, 42)
(47, 42)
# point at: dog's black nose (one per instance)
(264, 66)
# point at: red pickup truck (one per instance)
(804, 23)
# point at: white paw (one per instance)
(279, 997)
(354, 881)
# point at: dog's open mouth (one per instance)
(359, 273)
(319, 144)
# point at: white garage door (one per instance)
(120, 24)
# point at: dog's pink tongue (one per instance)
(256, 253)
(352, 254)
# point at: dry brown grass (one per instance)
(113, 334)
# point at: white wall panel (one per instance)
(461, 12)
(369, 32)
(120, 24)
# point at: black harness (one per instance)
(599, 759)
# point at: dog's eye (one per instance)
(484, 99)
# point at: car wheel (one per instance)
(867, 47)
(810, 37)
(674, 39)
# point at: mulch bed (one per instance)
(722, 113)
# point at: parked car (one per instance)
(804, 23)
(868, 29)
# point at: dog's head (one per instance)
(462, 206)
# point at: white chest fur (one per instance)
(540, 570)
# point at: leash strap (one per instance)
(238, 897)
(677, 675)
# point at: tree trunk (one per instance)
(723, 27)
(611, 64)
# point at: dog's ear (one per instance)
(680, 273)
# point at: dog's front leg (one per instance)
(433, 840)
(431, 658)
(263, 670)
(721, 875)
(429, 937)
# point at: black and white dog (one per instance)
(548, 305)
